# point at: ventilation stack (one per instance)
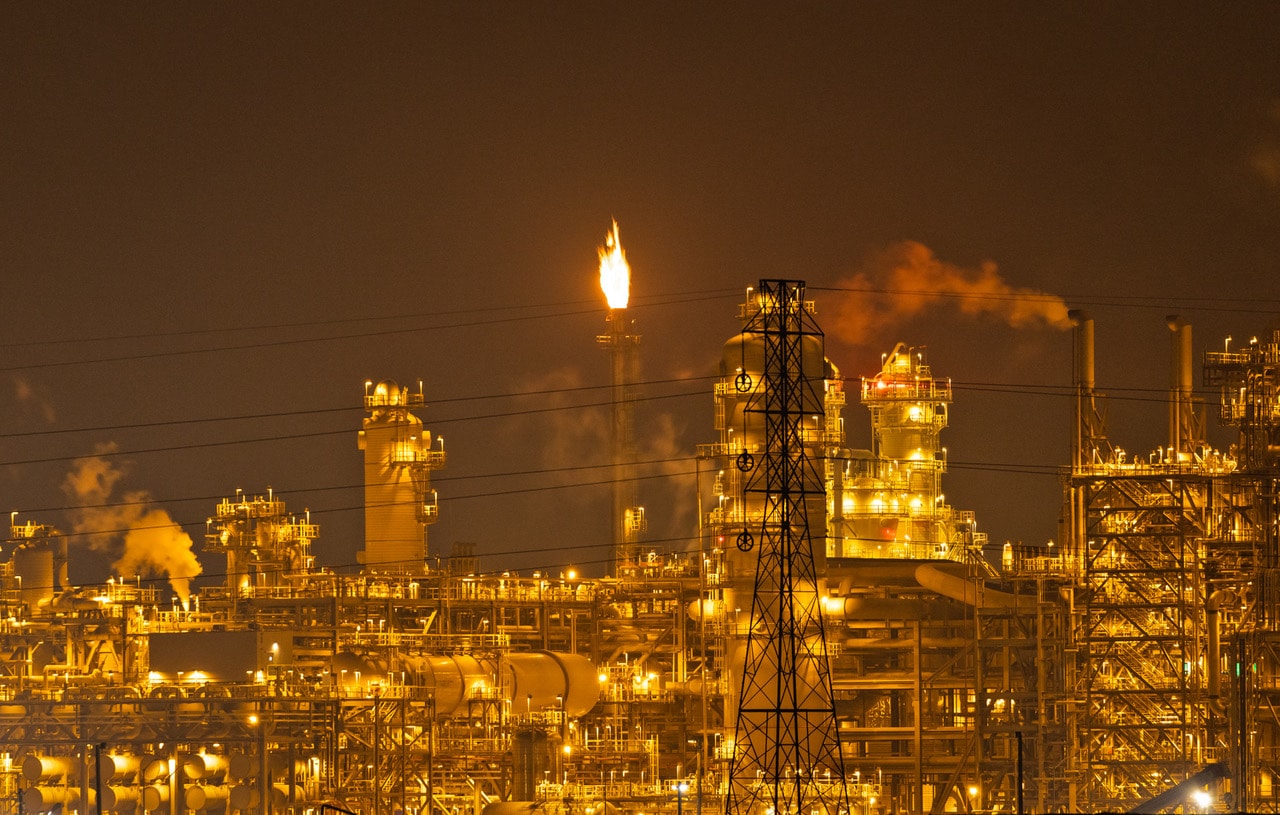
(1186, 418)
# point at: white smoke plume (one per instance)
(143, 538)
(906, 280)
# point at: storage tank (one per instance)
(33, 566)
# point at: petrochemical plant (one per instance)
(833, 638)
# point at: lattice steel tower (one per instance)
(786, 758)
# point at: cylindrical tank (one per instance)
(42, 799)
(242, 765)
(38, 769)
(202, 766)
(278, 766)
(116, 767)
(279, 797)
(154, 796)
(353, 670)
(153, 768)
(742, 370)
(908, 408)
(206, 796)
(453, 679)
(119, 798)
(243, 797)
(33, 566)
(543, 679)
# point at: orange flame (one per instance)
(615, 274)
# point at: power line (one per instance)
(1140, 395)
(582, 307)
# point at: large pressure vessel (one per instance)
(542, 679)
(397, 459)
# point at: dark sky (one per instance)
(220, 219)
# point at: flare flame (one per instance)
(615, 274)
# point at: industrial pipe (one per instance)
(1213, 622)
(543, 679)
(966, 590)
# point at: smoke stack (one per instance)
(1185, 422)
(1180, 379)
(1082, 383)
(627, 517)
(1084, 349)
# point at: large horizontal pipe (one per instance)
(966, 590)
(543, 679)
(885, 608)
(904, 643)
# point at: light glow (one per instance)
(615, 274)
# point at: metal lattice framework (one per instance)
(787, 757)
(1249, 540)
(1141, 723)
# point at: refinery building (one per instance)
(833, 638)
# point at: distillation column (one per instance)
(398, 460)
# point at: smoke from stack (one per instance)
(141, 537)
(573, 436)
(906, 280)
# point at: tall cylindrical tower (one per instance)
(627, 518)
(398, 460)
(908, 413)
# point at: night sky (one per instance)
(220, 219)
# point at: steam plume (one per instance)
(32, 401)
(907, 279)
(143, 538)
(574, 438)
